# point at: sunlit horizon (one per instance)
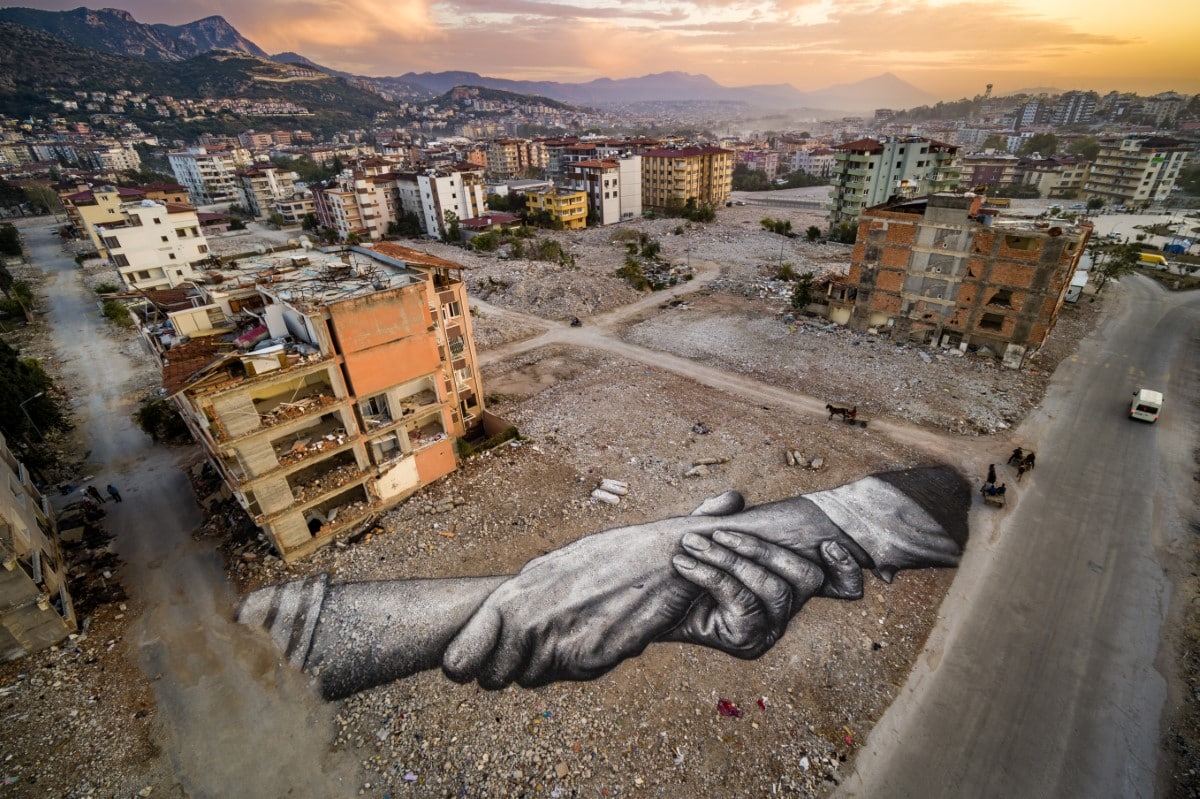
(946, 48)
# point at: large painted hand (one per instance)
(579, 611)
(752, 588)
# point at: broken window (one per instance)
(1002, 297)
(376, 411)
(991, 321)
(457, 345)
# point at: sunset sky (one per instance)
(951, 49)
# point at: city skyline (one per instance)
(949, 49)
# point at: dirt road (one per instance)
(232, 721)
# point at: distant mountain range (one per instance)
(111, 30)
(117, 32)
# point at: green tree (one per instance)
(1112, 262)
(1095, 203)
(747, 179)
(995, 141)
(1087, 147)
(12, 197)
(10, 241)
(1045, 144)
(309, 222)
(452, 230)
(813, 233)
(28, 403)
(802, 292)
(1189, 179)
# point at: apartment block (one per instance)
(613, 187)
(988, 171)
(567, 209)
(261, 186)
(293, 209)
(35, 605)
(361, 202)
(112, 159)
(1058, 177)
(432, 193)
(511, 158)
(340, 392)
(868, 172)
(942, 271)
(155, 245)
(208, 173)
(672, 177)
(1075, 108)
(1136, 170)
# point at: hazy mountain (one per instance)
(110, 30)
(883, 91)
(113, 31)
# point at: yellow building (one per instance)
(567, 208)
(672, 177)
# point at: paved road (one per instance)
(232, 721)
(1042, 679)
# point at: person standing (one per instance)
(991, 478)
(95, 494)
(113, 492)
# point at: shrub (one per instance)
(117, 313)
(106, 288)
(159, 420)
(632, 273)
(786, 272)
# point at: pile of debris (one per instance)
(304, 447)
(325, 482)
(292, 410)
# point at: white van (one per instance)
(1076, 288)
(1146, 405)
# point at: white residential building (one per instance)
(434, 192)
(116, 158)
(155, 245)
(209, 174)
(263, 185)
(613, 187)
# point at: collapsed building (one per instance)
(323, 385)
(943, 270)
(35, 605)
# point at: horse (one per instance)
(847, 414)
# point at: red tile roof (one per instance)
(184, 360)
(414, 257)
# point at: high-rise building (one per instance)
(672, 177)
(1136, 170)
(209, 174)
(868, 172)
(1075, 108)
(154, 245)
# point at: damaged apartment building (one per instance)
(324, 385)
(942, 270)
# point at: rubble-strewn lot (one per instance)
(652, 727)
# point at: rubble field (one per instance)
(653, 726)
(664, 723)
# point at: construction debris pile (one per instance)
(294, 409)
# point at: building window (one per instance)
(1002, 297)
(171, 256)
(120, 260)
(457, 345)
(991, 321)
(157, 221)
(451, 310)
(164, 238)
(144, 275)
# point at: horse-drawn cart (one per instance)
(992, 495)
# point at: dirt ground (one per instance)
(652, 727)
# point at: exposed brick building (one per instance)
(938, 270)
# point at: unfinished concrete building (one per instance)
(941, 270)
(328, 386)
(35, 605)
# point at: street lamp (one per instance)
(30, 418)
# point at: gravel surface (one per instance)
(652, 727)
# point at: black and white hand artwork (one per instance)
(726, 577)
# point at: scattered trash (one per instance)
(618, 487)
(727, 708)
(761, 702)
(410, 777)
(604, 496)
(701, 429)
(561, 770)
(804, 764)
